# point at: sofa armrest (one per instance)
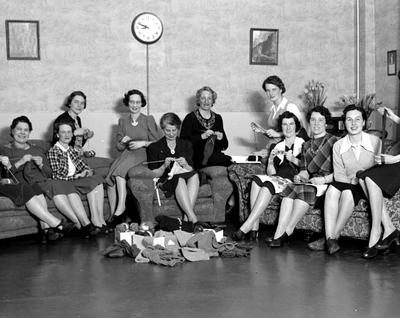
(221, 189)
(240, 174)
(142, 187)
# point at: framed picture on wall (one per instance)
(22, 38)
(264, 46)
(391, 63)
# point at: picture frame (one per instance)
(391, 62)
(264, 46)
(22, 39)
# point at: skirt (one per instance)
(128, 159)
(87, 184)
(169, 186)
(20, 193)
(304, 192)
(355, 189)
(55, 187)
(275, 184)
(387, 177)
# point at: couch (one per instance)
(17, 221)
(358, 226)
(214, 192)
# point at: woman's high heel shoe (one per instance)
(392, 238)
(279, 241)
(238, 236)
(114, 220)
(370, 252)
(252, 236)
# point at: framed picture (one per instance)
(264, 46)
(22, 37)
(391, 63)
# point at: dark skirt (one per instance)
(387, 177)
(87, 184)
(55, 187)
(304, 192)
(20, 193)
(169, 186)
(355, 189)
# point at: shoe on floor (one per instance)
(332, 246)
(318, 245)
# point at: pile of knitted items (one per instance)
(121, 249)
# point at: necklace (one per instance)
(172, 147)
(134, 121)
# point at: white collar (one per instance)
(365, 143)
(59, 145)
(298, 142)
(283, 103)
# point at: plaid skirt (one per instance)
(304, 192)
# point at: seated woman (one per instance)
(32, 196)
(30, 165)
(171, 154)
(136, 131)
(352, 153)
(68, 166)
(274, 88)
(205, 130)
(382, 180)
(315, 169)
(283, 163)
(76, 102)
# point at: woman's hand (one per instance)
(272, 133)
(257, 128)
(5, 161)
(88, 133)
(207, 134)
(84, 173)
(26, 158)
(219, 135)
(137, 144)
(168, 161)
(125, 140)
(289, 156)
(390, 114)
(301, 177)
(38, 161)
(183, 163)
(386, 159)
(317, 180)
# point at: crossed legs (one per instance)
(186, 195)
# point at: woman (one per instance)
(205, 129)
(352, 153)
(30, 165)
(32, 197)
(274, 89)
(68, 166)
(310, 183)
(76, 102)
(382, 180)
(135, 132)
(172, 154)
(283, 163)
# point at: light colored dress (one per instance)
(146, 129)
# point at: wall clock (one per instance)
(147, 28)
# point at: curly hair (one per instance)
(134, 92)
(288, 115)
(354, 107)
(20, 119)
(71, 97)
(274, 80)
(208, 89)
(323, 111)
(170, 119)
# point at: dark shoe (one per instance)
(114, 220)
(89, 230)
(252, 236)
(238, 236)
(67, 227)
(318, 245)
(51, 234)
(370, 252)
(392, 238)
(269, 239)
(279, 241)
(332, 246)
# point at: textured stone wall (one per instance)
(88, 45)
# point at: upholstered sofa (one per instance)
(210, 205)
(16, 221)
(358, 226)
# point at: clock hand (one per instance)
(143, 26)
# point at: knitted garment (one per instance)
(161, 256)
(195, 254)
(121, 249)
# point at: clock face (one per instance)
(147, 28)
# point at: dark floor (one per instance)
(71, 279)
